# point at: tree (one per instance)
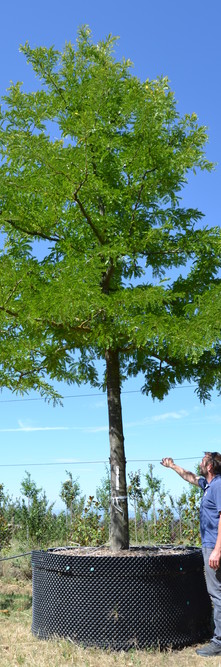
(71, 496)
(93, 164)
(35, 515)
(88, 528)
(5, 527)
(103, 496)
(153, 487)
(135, 495)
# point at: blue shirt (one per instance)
(210, 509)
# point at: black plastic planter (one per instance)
(158, 598)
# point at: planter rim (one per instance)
(139, 564)
(134, 551)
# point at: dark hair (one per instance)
(215, 459)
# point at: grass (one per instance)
(19, 647)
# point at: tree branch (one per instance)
(40, 235)
(13, 291)
(64, 327)
(133, 348)
(58, 89)
(148, 171)
(89, 220)
(107, 277)
(9, 312)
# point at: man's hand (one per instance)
(167, 462)
(214, 559)
(185, 474)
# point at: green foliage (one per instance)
(153, 491)
(135, 496)
(134, 488)
(157, 518)
(165, 526)
(71, 496)
(103, 496)
(103, 200)
(88, 529)
(190, 516)
(33, 514)
(5, 527)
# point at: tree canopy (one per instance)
(104, 197)
(92, 169)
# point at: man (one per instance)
(210, 527)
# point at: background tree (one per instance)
(180, 505)
(153, 488)
(145, 506)
(135, 496)
(191, 513)
(89, 529)
(103, 496)
(34, 513)
(93, 165)
(71, 496)
(164, 527)
(5, 527)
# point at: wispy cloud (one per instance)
(30, 428)
(194, 417)
(170, 415)
(156, 418)
(95, 429)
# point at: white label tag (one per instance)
(117, 478)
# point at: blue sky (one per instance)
(181, 41)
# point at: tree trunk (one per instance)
(119, 531)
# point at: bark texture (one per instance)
(119, 533)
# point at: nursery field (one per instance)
(19, 647)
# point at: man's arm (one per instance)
(215, 556)
(185, 474)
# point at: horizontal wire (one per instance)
(100, 393)
(26, 553)
(71, 463)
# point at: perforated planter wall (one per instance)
(149, 598)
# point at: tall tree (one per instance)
(93, 165)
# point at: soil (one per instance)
(139, 552)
